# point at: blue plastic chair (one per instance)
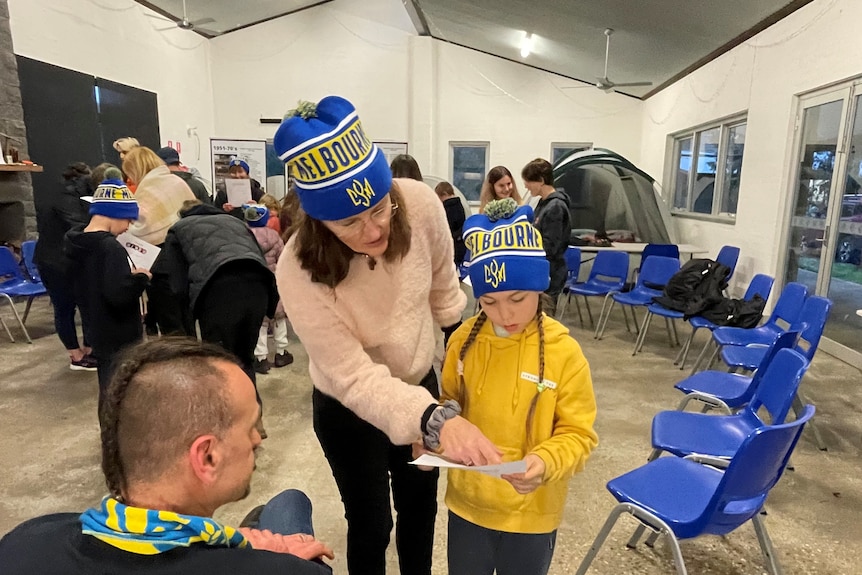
(761, 285)
(683, 498)
(608, 274)
(16, 285)
(573, 268)
(728, 255)
(662, 250)
(28, 250)
(683, 432)
(810, 324)
(730, 391)
(656, 272)
(784, 315)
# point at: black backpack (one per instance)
(736, 312)
(696, 287)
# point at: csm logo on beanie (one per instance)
(113, 199)
(338, 171)
(506, 252)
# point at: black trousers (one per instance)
(61, 290)
(230, 311)
(475, 550)
(363, 461)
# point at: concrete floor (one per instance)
(50, 457)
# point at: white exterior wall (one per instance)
(813, 47)
(113, 39)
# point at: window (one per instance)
(561, 149)
(706, 160)
(469, 161)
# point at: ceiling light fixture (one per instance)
(526, 45)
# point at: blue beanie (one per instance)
(506, 253)
(256, 216)
(113, 199)
(338, 171)
(240, 163)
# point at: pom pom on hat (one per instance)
(256, 216)
(338, 170)
(113, 199)
(506, 252)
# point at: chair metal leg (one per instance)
(561, 306)
(27, 310)
(650, 542)
(643, 331)
(600, 329)
(600, 539)
(6, 327)
(701, 356)
(766, 546)
(635, 321)
(654, 454)
(589, 311)
(602, 315)
(636, 536)
(626, 317)
(667, 322)
(798, 406)
(578, 306)
(18, 318)
(675, 334)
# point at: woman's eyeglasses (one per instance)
(356, 227)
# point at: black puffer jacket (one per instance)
(58, 211)
(553, 221)
(196, 247)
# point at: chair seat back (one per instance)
(28, 251)
(573, 264)
(788, 306)
(811, 323)
(761, 285)
(609, 269)
(656, 272)
(728, 255)
(752, 472)
(778, 386)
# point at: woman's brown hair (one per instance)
(327, 258)
(488, 194)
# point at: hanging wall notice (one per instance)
(252, 152)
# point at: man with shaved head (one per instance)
(179, 438)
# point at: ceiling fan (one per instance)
(185, 24)
(606, 84)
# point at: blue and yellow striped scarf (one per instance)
(150, 532)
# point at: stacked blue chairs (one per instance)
(682, 498)
(656, 272)
(811, 323)
(16, 285)
(728, 255)
(608, 275)
(786, 312)
(730, 391)
(573, 268)
(683, 432)
(761, 285)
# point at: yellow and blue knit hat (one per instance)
(338, 171)
(506, 251)
(113, 199)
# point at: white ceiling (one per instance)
(653, 40)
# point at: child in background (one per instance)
(257, 216)
(109, 285)
(525, 383)
(455, 216)
(273, 206)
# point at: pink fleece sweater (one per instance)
(372, 338)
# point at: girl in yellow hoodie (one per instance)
(517, 375)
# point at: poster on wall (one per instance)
(252, 152)
(392, 149)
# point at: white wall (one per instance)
(113, 39)
(813, 47)
(355, 50)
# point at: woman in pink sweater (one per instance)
(364, 279)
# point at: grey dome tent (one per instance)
(611, 197)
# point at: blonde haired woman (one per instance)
(160, 195)
(498, 185)
(125, 145)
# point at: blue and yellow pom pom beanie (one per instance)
(113, 199)
(338, 171)
(506, 251)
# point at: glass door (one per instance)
(824, 249)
